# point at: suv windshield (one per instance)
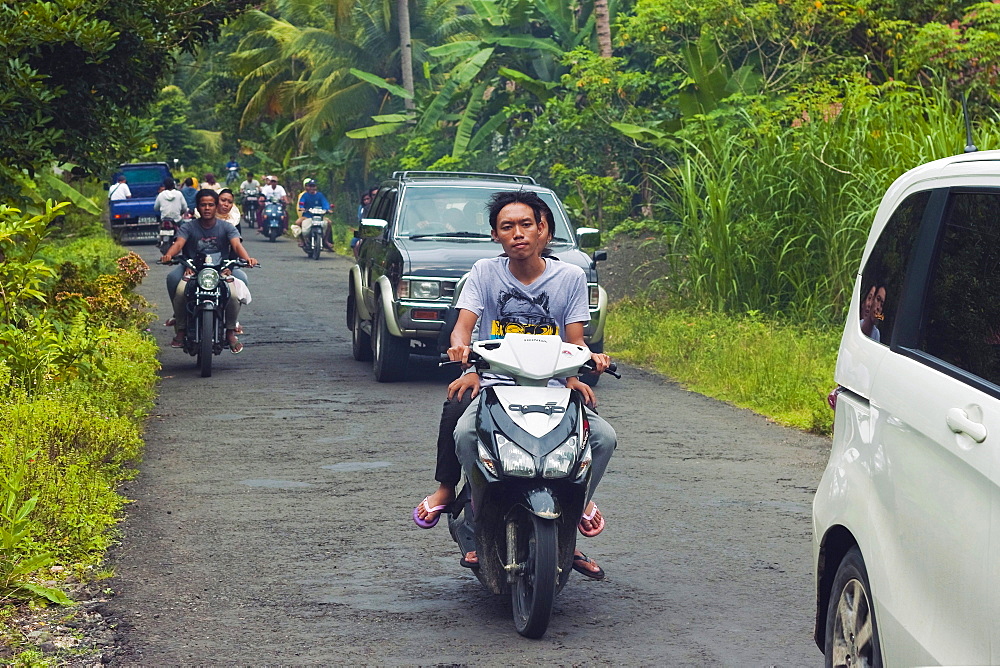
(459, 212)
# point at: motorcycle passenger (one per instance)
(189, 191)
(207, 234)
(228, 211)
(209, 182)
(170, 203)
(272, 192)
(310, 199)
(521, 291)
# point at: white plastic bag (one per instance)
(240, 291)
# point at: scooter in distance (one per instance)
(271, 222)
(521, 503)
(313, 227)
(207, 293)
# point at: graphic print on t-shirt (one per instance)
(209, 245)
(521, 314)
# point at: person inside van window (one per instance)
(872, 311)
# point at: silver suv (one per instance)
(423, 233)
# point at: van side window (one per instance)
(882, 277)
(961, 318)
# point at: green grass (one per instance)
(782, 371)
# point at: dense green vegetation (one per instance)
(76, 379)
(754, 136)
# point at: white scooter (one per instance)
(530, 481)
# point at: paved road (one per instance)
(271, 521)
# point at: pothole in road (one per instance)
(276, 484)
(350, 467)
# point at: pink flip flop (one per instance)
(592, 532)
(422, 523)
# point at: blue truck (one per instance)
(134, 219)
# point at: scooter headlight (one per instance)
(487, 459)
(208, 279)
(515, 461)
(559, 462)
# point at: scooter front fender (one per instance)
(540, 501)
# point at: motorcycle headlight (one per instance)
(559, 462)
(487, 459)
(208, 279)
(515, 461)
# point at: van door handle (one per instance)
(959, 422)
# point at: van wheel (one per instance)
(391, 353)
(851, 631)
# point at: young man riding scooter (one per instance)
(520, 291)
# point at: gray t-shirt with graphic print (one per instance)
(504, 305)
(216, 239)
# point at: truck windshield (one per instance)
(459, 212)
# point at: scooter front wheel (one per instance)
(534, 592)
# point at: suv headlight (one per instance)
(419, 289)
(594, 295)
(515, 461)
(557, 464)
(208, 279)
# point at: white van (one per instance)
(906, 519)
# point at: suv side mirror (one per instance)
(588, 237)
(371, 227)
(599, 256)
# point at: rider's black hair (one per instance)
(168, 183)
(206, 192)
(501, 199)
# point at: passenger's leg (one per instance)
(448, 470)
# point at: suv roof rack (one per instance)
(513, 178)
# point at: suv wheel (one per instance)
(361, 343)
(851, 631)
(391, 353)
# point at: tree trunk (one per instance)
(405, 48)
(603, 22)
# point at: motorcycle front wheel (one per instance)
(317, 245)
(205, 345)
(534, 592)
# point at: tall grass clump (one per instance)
(779, 370)
(772, 215)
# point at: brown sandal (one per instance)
(235, 347)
